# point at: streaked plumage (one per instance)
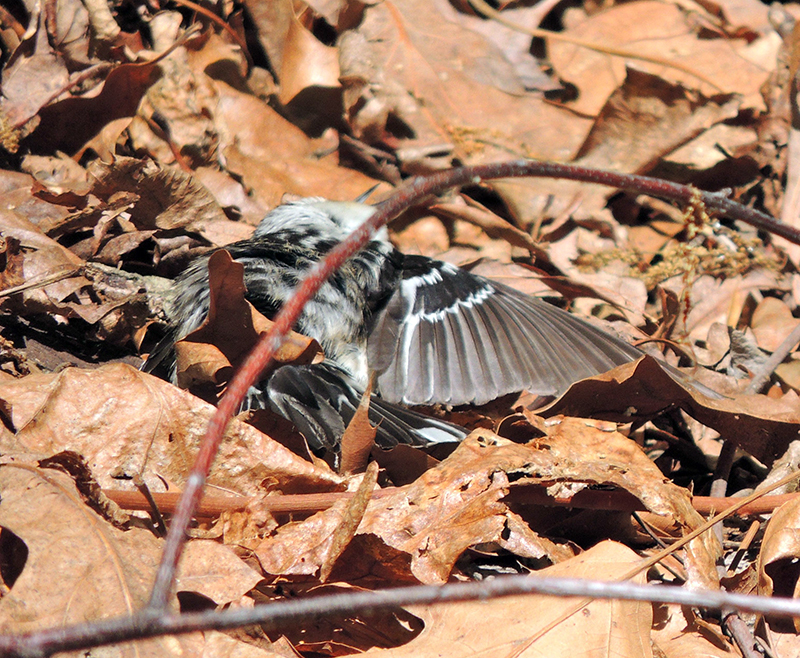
(433, 333)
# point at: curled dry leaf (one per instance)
(125, 422)
(168, 197)
(358, 439)
(778, 573)
(762, 426)
(313, 546)
(456, 505)
(231, 330)
(588, 452)
(459, 503)
(418, 531)
(508, 626)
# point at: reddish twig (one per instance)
(616, 500)
(421, 187)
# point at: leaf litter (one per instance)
(127, 155)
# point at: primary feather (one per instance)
(432, 332)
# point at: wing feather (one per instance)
(448, 336)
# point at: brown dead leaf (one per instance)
(524, 279)
(712, 300)
(78, 566)
(785, 643)
(67, 125)
(230, 193)
(358, 439)
(645, 119)
(675, 636)
(214, 571)
(309, 547)
(760, 425)
(454, 506)
(425, 236)
(449, 92)
(458, 503)
(306, 62)
(273, 157)
(579, 452)
(772, 323)
(101, 570)
(125, 422)
(231, 330)
(351, 519)
(514, 44)
(345, 634)
(495, 226)
(34, 77)
(167, 197)
(789, 373)
(657, 30)
(42, 260)
(780, 549)
(778, 573)
(602, 628)
(429, 522)
(174, 122)
(718, 344)
(52, 279)
(273, 20)
(59, 175)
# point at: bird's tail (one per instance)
(321, 400)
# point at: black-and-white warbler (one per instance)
(432, 332)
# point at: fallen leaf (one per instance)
(645, 119)
(232, 328)
(126, 422)
(273, 157)
(358, 439)
(679, 637)
(760, 425)
(658, 30)
(306, 62)
(100, 571)
(772, 323)
(619, 628)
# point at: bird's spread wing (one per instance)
(321, 400)
(448, 336)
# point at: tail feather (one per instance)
(321, 400)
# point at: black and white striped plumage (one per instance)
(432, 332)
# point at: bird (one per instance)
(426, 331)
